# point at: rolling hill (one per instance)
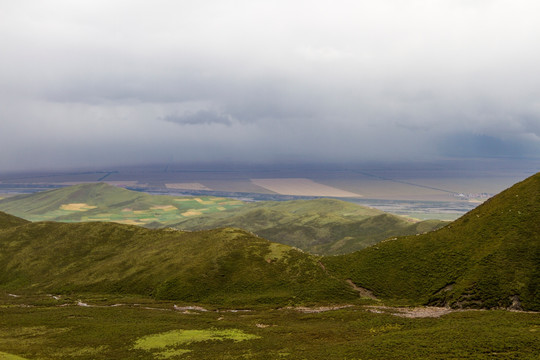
(321, 226)
(488, 258)
(103, 202)
(223, 266)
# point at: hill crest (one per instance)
(224, 266)
(488, 258)
(7, 221)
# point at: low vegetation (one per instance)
(222, 266)
(488, 258)
(97, 290)
(45, 328)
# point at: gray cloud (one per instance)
(201, 117)
(102, 82)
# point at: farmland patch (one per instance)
(77, 207)
(301, 187)
(192, 213)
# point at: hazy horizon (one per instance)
(93, 84)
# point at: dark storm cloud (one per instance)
(267, 81)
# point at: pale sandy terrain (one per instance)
(301, 187)
(187, 186)
(413, 312)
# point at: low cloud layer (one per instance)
(99, 83)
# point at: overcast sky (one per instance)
(98, 83)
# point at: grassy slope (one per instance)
(7, 221)
(110, 203)
(217, 266)
(32, 206)
(322, 226)
(490, 257)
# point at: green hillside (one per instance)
(102, 202)
(7, 221)
(321, 226)
(222, 266)
(488, 258)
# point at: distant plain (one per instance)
(437, 190)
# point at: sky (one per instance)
(103, 83)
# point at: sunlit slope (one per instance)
(7, 220)
(490, 257)
(225, 266)
(103, 202)
(322, 226)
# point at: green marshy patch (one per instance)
(168, 344)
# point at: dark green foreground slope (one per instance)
(7, 221)
(223, 266)
(488, 258)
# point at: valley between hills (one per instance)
(98, 272)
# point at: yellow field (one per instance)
(301, 187)
(192, 213)
(203, 202)
(130, 222)
(164, 207)
(77, 207)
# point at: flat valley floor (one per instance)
(76, 327)
(443, 190)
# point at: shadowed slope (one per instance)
(7, 221)
(490, 257)
(225, 266)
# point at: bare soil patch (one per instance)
(412, 312)
(319, 309)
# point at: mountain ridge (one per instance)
(222, 266)
(488, 258)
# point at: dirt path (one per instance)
(364, 293)
(413, 312)
(319, 309)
